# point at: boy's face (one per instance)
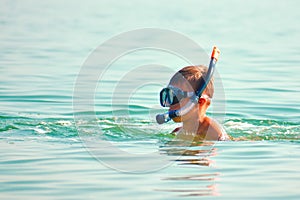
(184, 86)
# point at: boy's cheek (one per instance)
(177, 119)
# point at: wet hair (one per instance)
(195, 76)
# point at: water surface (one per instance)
(43, 47)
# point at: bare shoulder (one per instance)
(216, 131)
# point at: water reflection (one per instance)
(209, 190)
(191, 154)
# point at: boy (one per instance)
(195, 123)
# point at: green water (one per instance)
(117, 151)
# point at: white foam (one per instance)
(40, 131)
(238, 125)
(64, 123)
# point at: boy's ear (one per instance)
(201, 101)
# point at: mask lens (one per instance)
(168, 97)
(165, 100)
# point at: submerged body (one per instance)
(209, 129)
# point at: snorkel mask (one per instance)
(172, 95)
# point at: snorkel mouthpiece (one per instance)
(165, 117)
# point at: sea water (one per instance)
(51, 150)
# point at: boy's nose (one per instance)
(174, 107)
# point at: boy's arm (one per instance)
(176, 130)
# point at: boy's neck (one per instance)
(191, 126)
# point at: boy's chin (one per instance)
(177, 119)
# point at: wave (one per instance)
(129, 128)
